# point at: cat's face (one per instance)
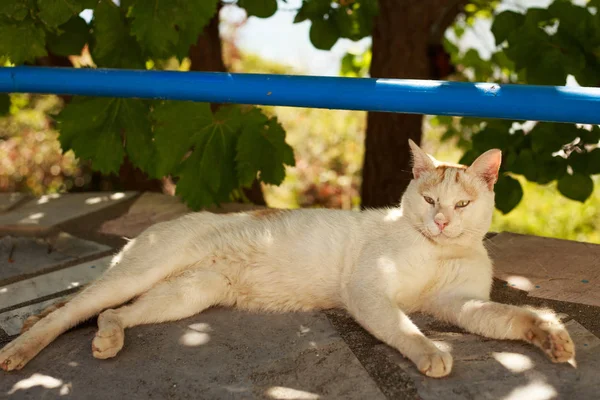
(451, 203)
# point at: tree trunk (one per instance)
(404, 34)
(207, 55)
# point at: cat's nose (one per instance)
(441, 225)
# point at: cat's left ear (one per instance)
(486, 166)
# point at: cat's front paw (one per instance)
(553, 339)
(436, 364)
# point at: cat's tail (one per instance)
(140, 265)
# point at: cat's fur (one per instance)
(379, 265)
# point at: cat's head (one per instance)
(451, 203)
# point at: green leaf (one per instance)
(551, 137)
(506, 23)
(56, 12)
(593, 162)
(188, 188)
(134, 121)
(323, 34)
(91, 128)
(508, 193)
(576, 187)
(16, 9)
(73, 37)
(113, 46)
(262, 149)
(154, 26)
(4, 103)
(195, 16)
(259, 8)
(175, 125)
(314, 9)
(14, 36)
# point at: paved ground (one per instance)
(51, 246)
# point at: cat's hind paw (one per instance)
(554, 340)
(435, 365)
(109, 339)
(17, 353)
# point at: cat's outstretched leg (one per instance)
(139, 266)
(503, 321)
(384, 320)
(179, 297)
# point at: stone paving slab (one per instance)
(10, 200)
(219, 354)
(548, 268)
(493, 369)
(152, 208)
(11, 322)
(39, 216)
(27, 256)
(52, 283)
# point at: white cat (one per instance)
(379, 265)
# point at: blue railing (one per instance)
(486, 100)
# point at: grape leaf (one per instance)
(139, 143)
(508, 193)
(207, 176)
(176, 124)
(113, 46)
(259, 8)
(89, 126)
(13, 36)
(576, 187)
(506, 23)
(56, 12)
(262, 149)
(16, 9)
(196, 16)
(74, 35)
(95, 128)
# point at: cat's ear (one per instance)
(422, 162)
(486, 167)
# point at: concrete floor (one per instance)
(222, 353)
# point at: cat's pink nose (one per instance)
(441, 225)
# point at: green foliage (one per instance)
(210, 155)
(331, 21)
(539, 46)
(259, 8)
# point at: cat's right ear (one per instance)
(421, 160)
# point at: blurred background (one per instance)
(328, 144)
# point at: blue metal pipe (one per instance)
(517, 102)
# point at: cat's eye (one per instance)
(429, 200)
(462, 203)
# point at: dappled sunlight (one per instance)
(514, 362)
(196, 335)
(73, 285)
(100, 199)
(387, 266)
(44, 381)
(46, 198)
(32, 218)
(443, 345)
(280, 392)
(520, 282)
(3, 290)
(534, 390)
(393, 215)
(303, 330)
